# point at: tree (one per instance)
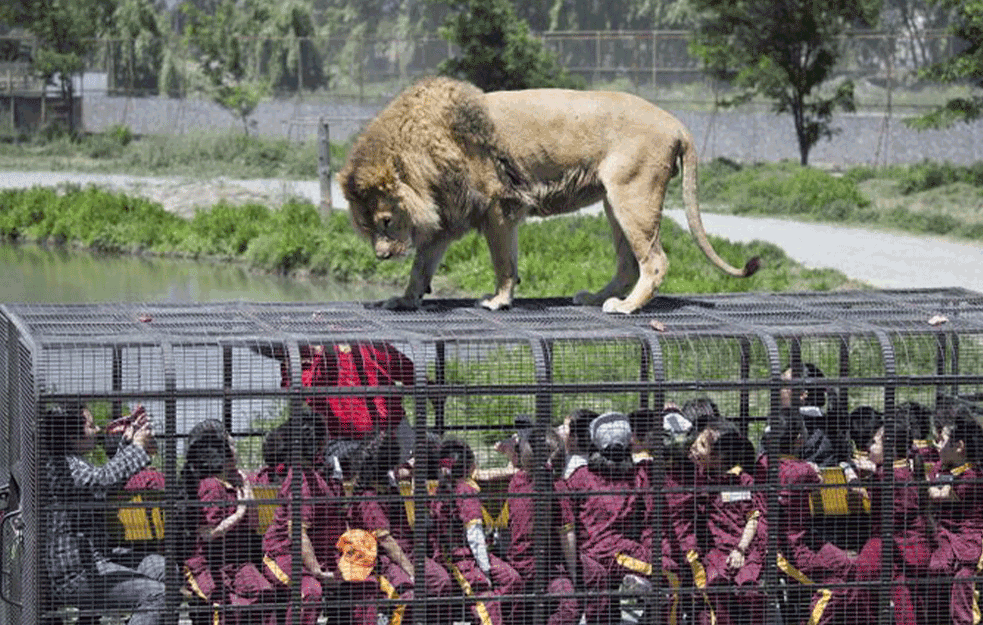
(965, 66)
(137, 25)
(497, 50)
(66, 34)
(219, 39)
(784, 50)
(287, 54)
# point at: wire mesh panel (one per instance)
(740, 458)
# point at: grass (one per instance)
(559, 256)
(925, 198)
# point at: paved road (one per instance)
(881, 259)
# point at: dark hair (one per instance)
(275, 446)
(62, 425)
(458, 455)
(734, 449)
(555, 455)
(376, 458)
(700, 411)
(900, 428)
(814, 396)
(306, 436)
(963, 426)
(864, 423)
(208, 452)
(580, 426)
(919, 419)
(786, 430)
(643, 420)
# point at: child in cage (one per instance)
(322, 517)
(824, 567)
(75, 545)
(217, 537)
(957, 509)
(458, 535)
(380, 508)
(603, 512)
(910, 548)
(523, 505)
(732, 511)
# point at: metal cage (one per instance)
(476, 376)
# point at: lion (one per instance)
(444, 158)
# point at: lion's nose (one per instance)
(383, 254)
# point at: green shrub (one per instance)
(931, 175)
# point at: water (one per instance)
(30, 273)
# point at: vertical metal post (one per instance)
(324, 166)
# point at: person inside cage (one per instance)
(74, 543)
(824, 445)
(353, 364)
(956, 495)
(910, 543)
(575, 435)
(662, 454)
(275, 455)
(603, 511)
(804, 558)
(731, 513)
(322, 518)
(380, 508)
(458, 535)
(217, 536)
(526, 514)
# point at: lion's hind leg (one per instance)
(626, 272)
(638, 210)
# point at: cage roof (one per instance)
(733, 314)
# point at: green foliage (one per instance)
(89, 217)
(785, 190)
(966, 65)
(219, 39)
(785, 53)
(287, 54)
(931, 175)
(497, 50)
(137, 26)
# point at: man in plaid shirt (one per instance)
(79, 572)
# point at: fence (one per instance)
(372, 68)
(650, 533)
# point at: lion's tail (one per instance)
(689, 159)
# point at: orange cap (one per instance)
(358, 551)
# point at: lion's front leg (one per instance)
(502, 236)
(428, 256)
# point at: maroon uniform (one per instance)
(960, 539)
(451, 518)
(726, 514)
(827, 566)
(520, 553)
(386, 516)
(607, 515)
(219, 571)
(324, 521)
(910, 541)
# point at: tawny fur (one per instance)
(445, 158)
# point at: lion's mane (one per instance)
(433, 148)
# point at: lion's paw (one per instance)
(616, 305)
(586, 298)
(401, 303)
(496, 302)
